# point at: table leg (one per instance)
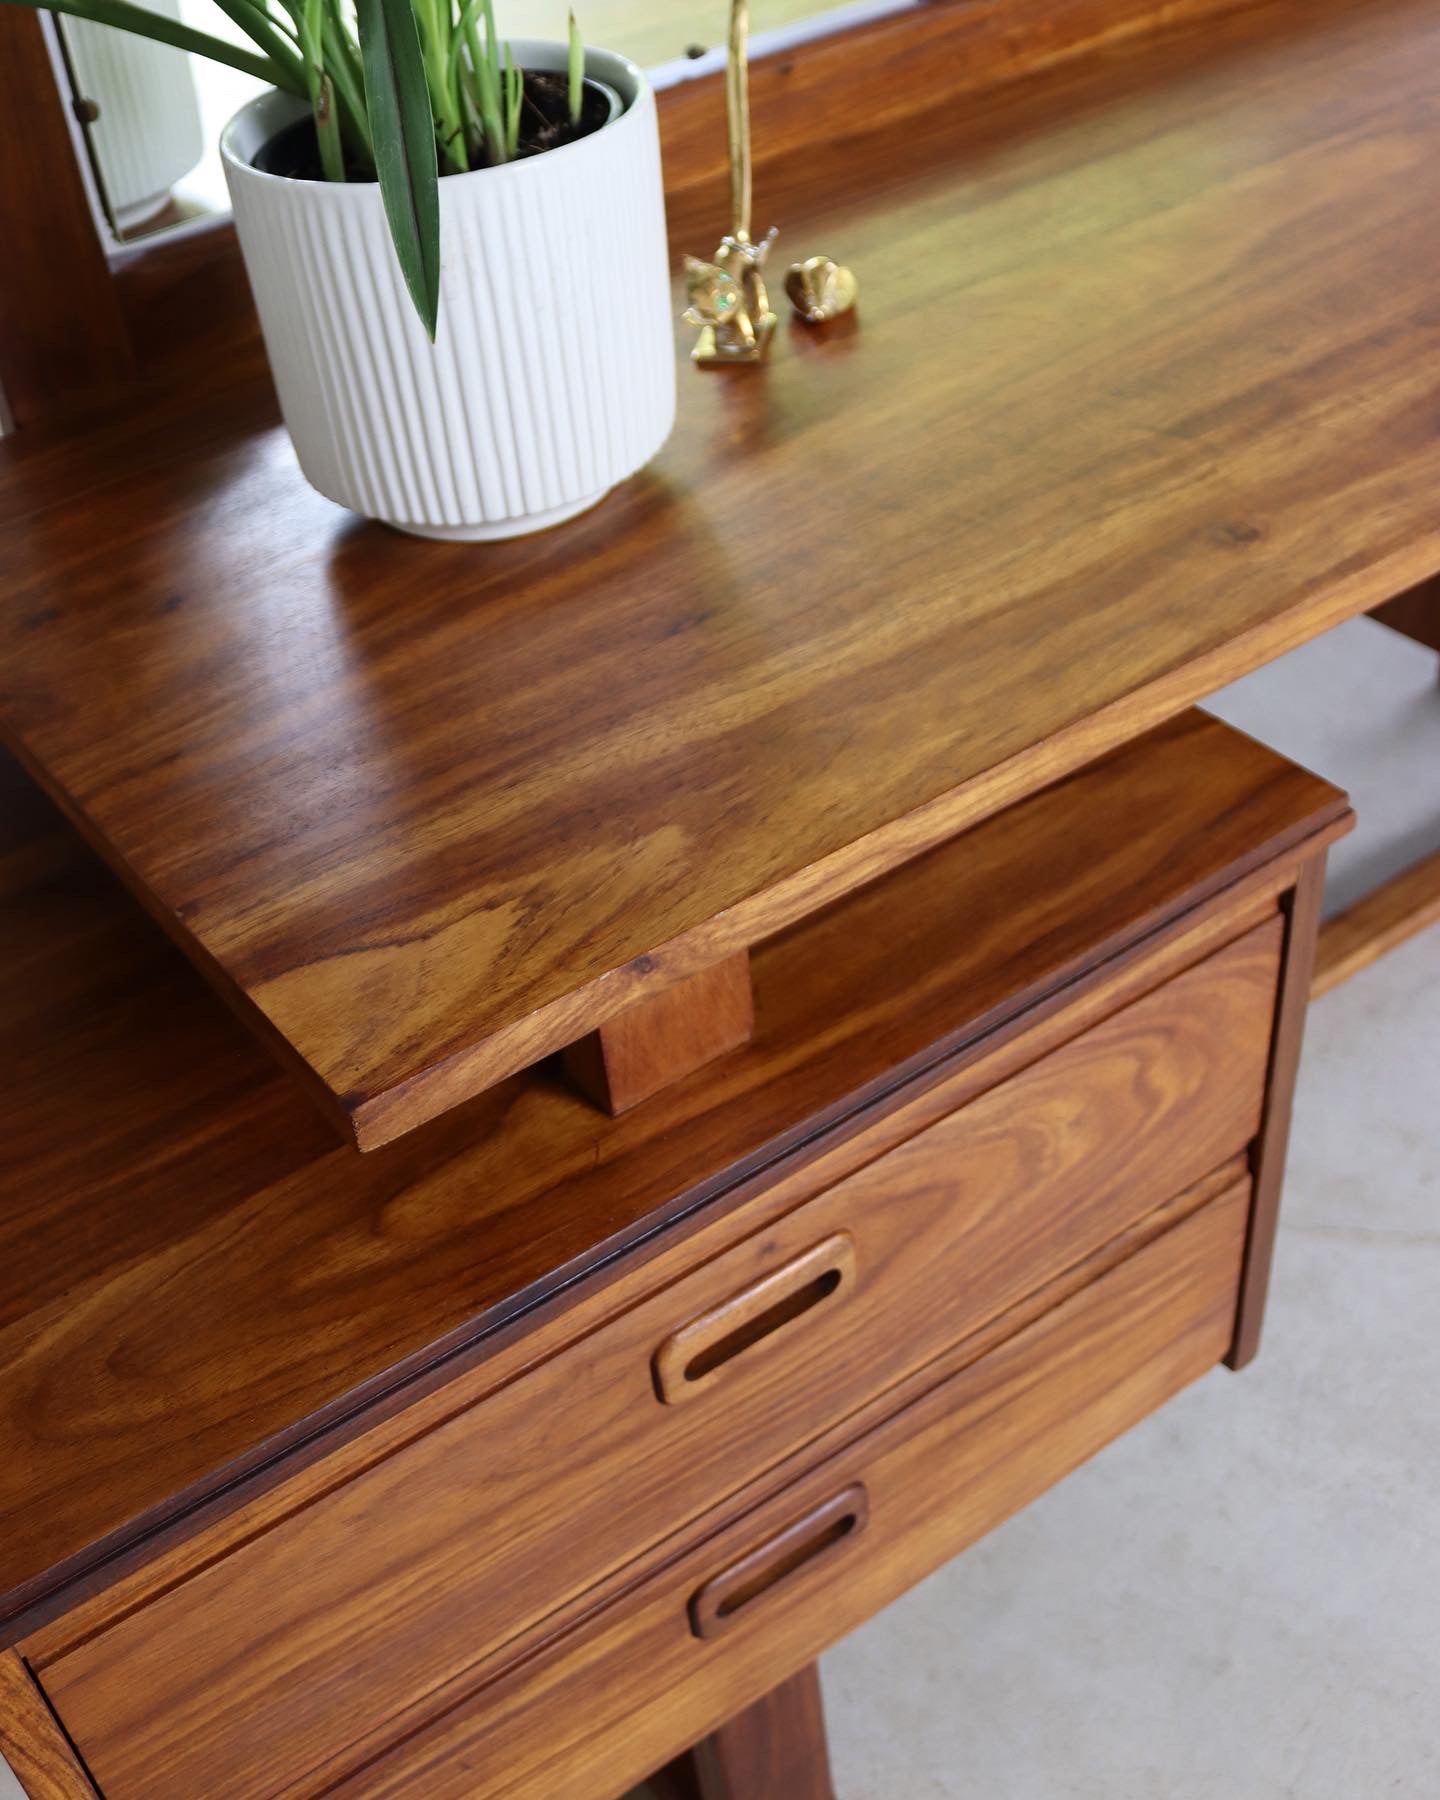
(774, 1750)
(1416, 614)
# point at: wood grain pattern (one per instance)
(1383, 920)
(287, 1287)
(583, 1715)
(1036, 536)
(663, 1039)
(63, 338)
(1232, 1177)
(889, 70)
(463, 1539)
(37, 1751)
(774, 1750)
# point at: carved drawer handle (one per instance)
(821, 1534)
(691, 1358)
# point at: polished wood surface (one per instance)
(1070, 479)
(32, 1743)
(272, 1661)
(887, 70)
(1381, 921)
(204, 1217)
(583, 1714)
(660, 1040)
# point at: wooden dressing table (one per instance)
(679, 1071)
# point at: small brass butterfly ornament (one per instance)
(820, 290)
(729, 303)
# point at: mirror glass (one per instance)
(152, 115)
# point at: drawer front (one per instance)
(275, 1659)
(597, 1711)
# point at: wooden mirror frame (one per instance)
(79, 326)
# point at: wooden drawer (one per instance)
(589, 1715)
(276, 1658)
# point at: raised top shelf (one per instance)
(1141, 394)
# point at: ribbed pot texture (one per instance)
(148, 131)
(552, 376)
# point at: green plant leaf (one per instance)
(327, 129)
(485, 67)
(256, 23)
(514, 96)
(136, 19)
(576, 71)
(402, 126)
(342, 62)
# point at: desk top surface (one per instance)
(1141, 393)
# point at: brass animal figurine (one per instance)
(820, 289)
(728, 301)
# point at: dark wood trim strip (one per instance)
(1302, 908)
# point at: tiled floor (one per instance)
(1240, 1600)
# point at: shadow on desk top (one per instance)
(194, 1275)
(1141, 394)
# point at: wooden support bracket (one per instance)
(659, 1041)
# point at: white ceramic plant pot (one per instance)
(552, 376)
(147, 132)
